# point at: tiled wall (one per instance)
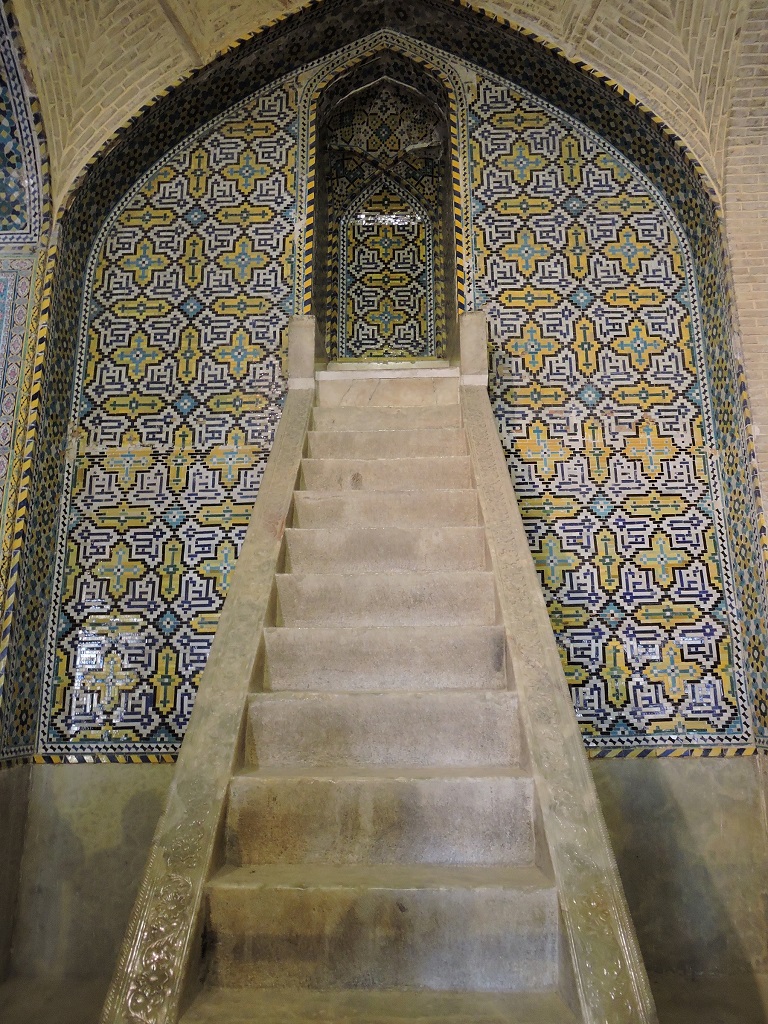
(178, 391)
(21, 199)
(563, 278)
(601, 388)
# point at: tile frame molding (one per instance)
(30, 244)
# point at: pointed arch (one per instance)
(314, 83)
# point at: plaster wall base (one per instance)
(14, 787)
(89, 827)
(691, 842)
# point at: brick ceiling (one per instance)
(95, 63)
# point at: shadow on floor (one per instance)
(727, 1000)
(30, 1001)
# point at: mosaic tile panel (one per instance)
(435, 96)
(461, 35)
(179, 392)
(16, 277)
(17, 714)
(601, 394)
(23, 217)
(20, 177)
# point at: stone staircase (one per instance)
(383, 859)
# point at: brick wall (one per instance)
(94, 65)
(746, 210)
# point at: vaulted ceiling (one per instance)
(691, 61)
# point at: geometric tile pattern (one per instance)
(602, 401)
(23, 216)
(13, 199)
(179, 392)
(390, 63)
(16, 274)
(17, 269)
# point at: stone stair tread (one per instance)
(407, 633)
(403, 635)
(382, 876)
(418, 442)
(388, 492)
(424, 473)
(367, 367)
(321, 926)
(397, 506)
(356, 658)
(378, 433)
(387, 598)
(426, 575)
(398, 773)
(385, 418)
(370, 532)
(416, 460)
(375, 548)
(458, 506)
(403, 388)
(456, 693)
(397, 816)
(366, 728)
(364, 1006)
(362, 729)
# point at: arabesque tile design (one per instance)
(24, 212)
(21, 200)
(384, 183)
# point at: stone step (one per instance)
(316, 509)
(381, 816)
(386, 599)
(450, 728)
(381, 658)
(377, 367)
(429, 473)
(401, 389)
(355, 417)
(386, 444)
(362, 1006)
(388, 926)
(393, 548)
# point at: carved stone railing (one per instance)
(163, 939)
(609, 974)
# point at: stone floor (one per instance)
(29, 1001)
(742, 1000)
(711, 1001)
